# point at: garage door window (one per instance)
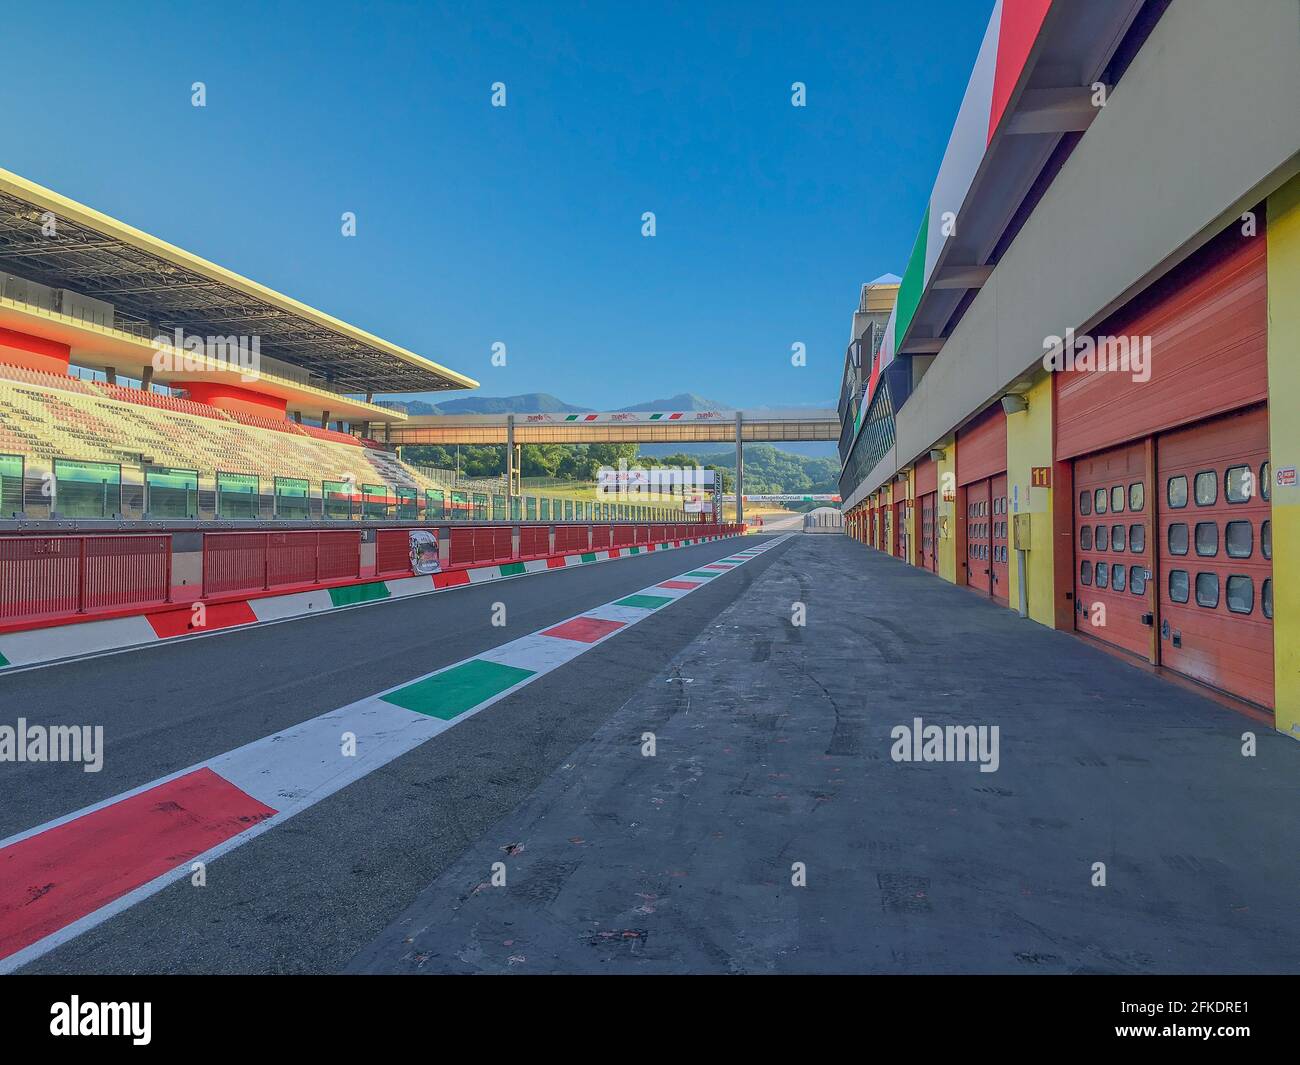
(1103, 574)
(1266, 539)
(1102, 538)
(1117, 499)
(1207, 539)
(1176, 492)
(1207, 589)
(1266, 598)
(1085, 503)
(1241, 594)
(1117, 538)
(1238, 539)
(1178, 539)
(1085, 572)
(1207, 488)
(1138, 581)
(1266, 479)
(1099, 501)
(1136, 496)
(1178, 585)
(1118, 575)
(1237, 486)
(1137, 538)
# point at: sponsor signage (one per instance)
(424, 552)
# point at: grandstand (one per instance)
(107, 411)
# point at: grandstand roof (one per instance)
(157, 287)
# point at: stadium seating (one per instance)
(45, 416)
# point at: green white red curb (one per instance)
(54, 643)
(70, 874)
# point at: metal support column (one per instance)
(510, 457)
(740, 473)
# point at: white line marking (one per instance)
(297, 767)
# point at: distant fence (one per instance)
(45, 576)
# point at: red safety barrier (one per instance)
(600, 537)
(571, 538)
(534, 541)
(623, 535)
(251, 561)
(393, 551)
(477, 545)
(43, 576)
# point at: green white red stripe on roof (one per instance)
(1008, 41)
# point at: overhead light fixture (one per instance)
(1012, 403)
(937, 454)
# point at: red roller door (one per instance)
(982, 447)
(978, 520)
(1216, 593)
(998, 536)
(1113, 548)
(900, 529)
(1208, 323)
(927, 476)
(981, 469)
(929, 555)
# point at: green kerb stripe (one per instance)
(511, 569)
(589, 557)
(645, 602)
(701, 573)
(450, 693)
(358, 593)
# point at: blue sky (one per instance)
(519, 224)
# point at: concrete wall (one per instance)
(1029, 444)
(946, 514)
(1284, 445)
(1202, 125)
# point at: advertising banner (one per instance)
(424, 552)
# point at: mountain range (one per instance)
(541, 403)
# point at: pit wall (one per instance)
(1284, 446)
(52, 642)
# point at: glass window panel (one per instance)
(1178, 585)
(1238, 484)
(1238, 539)
(1241, 594)
(1137, 538)
(1207, 539)
(1176, 492)
(1178, 538)
(1207, 589)
(1207, 488)
(1136, 496)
